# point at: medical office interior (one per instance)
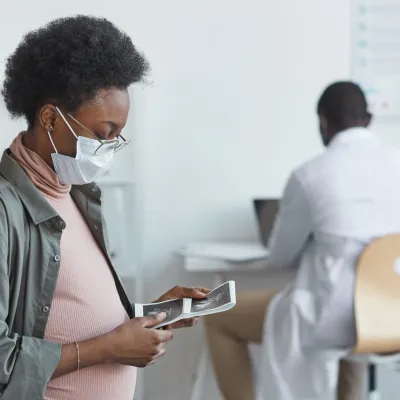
(228, 112)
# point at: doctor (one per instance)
(332, 207)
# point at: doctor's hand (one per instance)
(179, 292)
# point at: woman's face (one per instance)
(105, 116)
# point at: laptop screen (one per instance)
(266, 210)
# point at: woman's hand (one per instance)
(135, 343)
(132, 343)
(179, 292)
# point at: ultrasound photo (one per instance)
(173, 309)
(215, 299)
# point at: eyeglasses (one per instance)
(118, 144)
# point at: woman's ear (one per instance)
(48, 117)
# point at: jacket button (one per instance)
(60, 225)
(46, 309)
(57, 258)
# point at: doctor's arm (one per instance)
(292, 227)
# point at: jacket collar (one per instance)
(34, 202)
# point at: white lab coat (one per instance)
(331, 208)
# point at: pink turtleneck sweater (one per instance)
(86, 303)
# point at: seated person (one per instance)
(332, 207)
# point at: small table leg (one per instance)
(373, 393)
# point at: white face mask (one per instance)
(92, 160)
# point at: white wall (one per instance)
(229, 114)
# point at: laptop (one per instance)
(265, 211)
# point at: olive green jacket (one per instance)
(30, 233)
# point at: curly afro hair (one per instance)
(343, 103)
(67, 62)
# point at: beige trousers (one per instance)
(228, 337)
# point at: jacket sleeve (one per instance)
(292, 227)
(26, 363)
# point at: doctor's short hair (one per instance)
(343, 104)
(67, 62)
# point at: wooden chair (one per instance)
(377, 307)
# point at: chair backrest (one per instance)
(377, 297)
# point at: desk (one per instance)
(220, 270)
